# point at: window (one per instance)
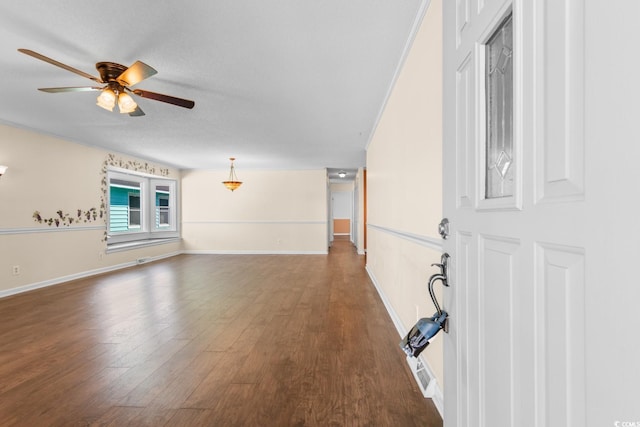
(163, 210)
(134, 211)
(140, 207)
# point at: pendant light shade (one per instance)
(232, 183)
(126, 104)
(106, 99)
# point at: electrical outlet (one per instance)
(16, 270)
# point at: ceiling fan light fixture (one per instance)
(106, 99)
(126, 104)
(117, 79)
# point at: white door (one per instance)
(541, 178)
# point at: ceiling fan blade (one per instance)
(165, 98)
(137, 112)
(69, 89)
(135, 74)
(59, 64)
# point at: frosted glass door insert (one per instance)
(499, 112)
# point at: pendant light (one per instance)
(232, 183)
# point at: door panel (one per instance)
(462, 19)
(497, 264)
(464, 132)
(464, 332)
(560, 76)
(561, 340)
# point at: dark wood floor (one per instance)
(220, 340)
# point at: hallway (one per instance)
(220, 340)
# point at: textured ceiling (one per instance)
(287, 84)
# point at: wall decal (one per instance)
(93, 214)
(133, 165)
(66, 219)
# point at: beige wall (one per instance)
(404, 181)
(342, 187)
(272, 212)
(341, 226)
(359, 225)
(47, 174)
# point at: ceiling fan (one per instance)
(116, 81)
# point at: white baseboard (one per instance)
(252, 252)
(433, 391)
(82, 275)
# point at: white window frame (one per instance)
(172, 229)
(148, 231)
